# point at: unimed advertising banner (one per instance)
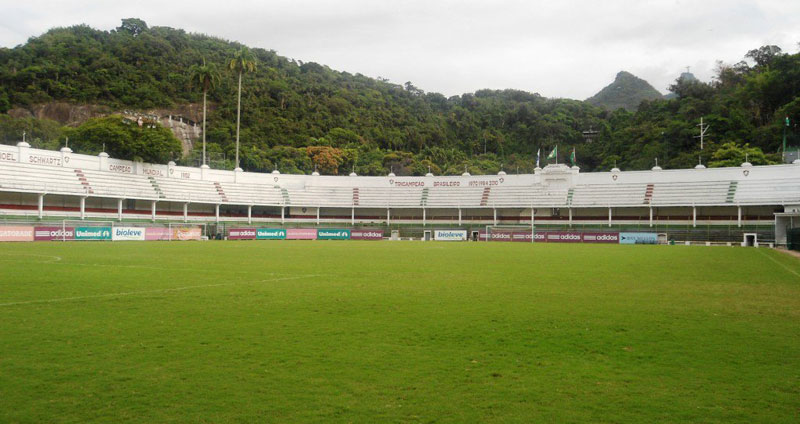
(270, 234)
(450, 235)
(53, 233)
(242, 234)
(128, 234)
(16, 233)
(366, 235)
(333, 234)
(93, 233)
(301, 234)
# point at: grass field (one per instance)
(370, 332)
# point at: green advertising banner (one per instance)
(270, 234)
(333, 234)
(93, 233)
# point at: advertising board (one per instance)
(128, 234)
(187, 233)
(638, 238)
(337, 234)
(93, 233)
(603, 237)
(53, 233)
(157, 233)
(270, 234)
(17, 233)
(450, 235)
(241, 234)
(301, 234)
(366, 235)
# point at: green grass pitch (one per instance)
(406, 332)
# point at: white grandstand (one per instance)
(41, 183)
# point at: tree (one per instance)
(242, 62)
(206, 77)
(732, 154)
(133, 26)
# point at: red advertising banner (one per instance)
(551, 236)
(53, 233)
(16, 233)
(156, 233)
(301, 234)
(243, 234)
(605, 237)
(366, 235)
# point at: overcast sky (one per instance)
(556, 48)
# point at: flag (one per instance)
(787, 121)
(538, 153)
(572, 157)
(553, 154)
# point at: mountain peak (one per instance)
(627, 91)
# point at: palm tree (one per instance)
(243, 61)
(205, 77)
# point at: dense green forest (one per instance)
(297, 115)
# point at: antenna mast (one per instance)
(703, 130)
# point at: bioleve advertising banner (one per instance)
(187, 233)
(93, 233)
(270, 234)
(242, 234)
(128, 234)
(16, 233)
(327, 234)
(53, 233)
(301, 234)
(638, 238)
(366, 235)
(450, 235)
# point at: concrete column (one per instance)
(570, 217)
(283, 219)
(459, 216)
(83, 208)
(216, 212)
(185, 212)
(317, 215)
(250, 214)
(352, 216)
(41, 205)
(739, 216)
(154, 211)
(494, 212)
(694, 216)
(119, 209)
(388, 216)
(651, 217)
(609, 216)
(423, 217)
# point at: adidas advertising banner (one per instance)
(53, 233)
(333, 234)
(128, 234)
(93, 233)
(366, 235)
(450, 235)
(242, 234)
(638, 238)
(551, 236)
(270, 234)
(16, 233)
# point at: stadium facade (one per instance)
(719, 204)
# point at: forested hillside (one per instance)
(627, 91)
(296, 115)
